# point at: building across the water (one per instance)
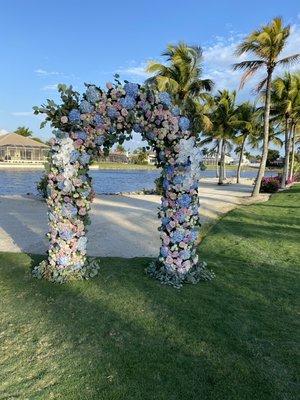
(15, 148)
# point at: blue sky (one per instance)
(45, 43)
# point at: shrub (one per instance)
(270, 184)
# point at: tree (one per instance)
(248, 124)
(273, 155)
(140, 156)
(23, 131)
(266, 44)
(181, 76)
(284, 99)
(224, 118)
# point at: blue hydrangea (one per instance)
(86, 107)
(66, 234)
(81, 135)
(176, 111)
(169, 169)
(74, 156)
(100, 140)
(185, 254)
(131, 89)
(74, 116)
(166, 184)
(98, 120)
(178, 179)
(112, 113)
(184, 123)
(68, 210)
(165, 221)
(194, 234)
(184, 200)
(180, 216)
(150, 135)
(128, 102)
(63, 261)
(165, 99)
(177, 236)
(92, 94)
(161, 155)
(137, 128)
(85, 158)
(164, 251)
(81, 245)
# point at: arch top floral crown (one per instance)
(85, 125)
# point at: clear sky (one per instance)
(48, 42)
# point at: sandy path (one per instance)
(122, 226)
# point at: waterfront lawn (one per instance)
(123, 336)
(115, 165)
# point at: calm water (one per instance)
(104, 181)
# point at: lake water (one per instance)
(104, 181)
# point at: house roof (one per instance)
(13, 139)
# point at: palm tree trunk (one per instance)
(238, 172)
(262, 165)
(218, 157)
(222, 163)
(286, 154)
(293, 152)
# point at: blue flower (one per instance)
(128, 102)
(165, 99)
(177, 236)
(98, 120)
(178, 179)
(166, 184)
(85, 158)
(68, 210)
(81, 245)
(184, 200)
(92, 94)
(112, 113)
(86, 107)
(131, 89)
(176, 111)
(66, 234)
(74, 156)
(161, 155)
(185, 254)
(137, 128)
(165, 221)
(194, 234)
(81, 135)
(63, 261)
(181, 216)
(169, 169)
(184, 123)
(150, 135)
(164, 251)
(100, 140)
(74, 116)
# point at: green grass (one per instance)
(123, 336)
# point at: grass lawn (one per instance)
(115, 165)
(123, 336)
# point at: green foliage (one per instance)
(272, 156)
(23, 131)
(42, 186)
(124, 336)
(159, 185)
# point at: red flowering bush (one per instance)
(270, 184)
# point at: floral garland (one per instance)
(94, 123)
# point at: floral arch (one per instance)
(95, 121)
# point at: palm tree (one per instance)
(284, 96)
(248, 120)
(181, 77)
(224, 118)
(23, 131)
(266, 44)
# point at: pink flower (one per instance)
(109, 85)
(82, 211)
(64, 120)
